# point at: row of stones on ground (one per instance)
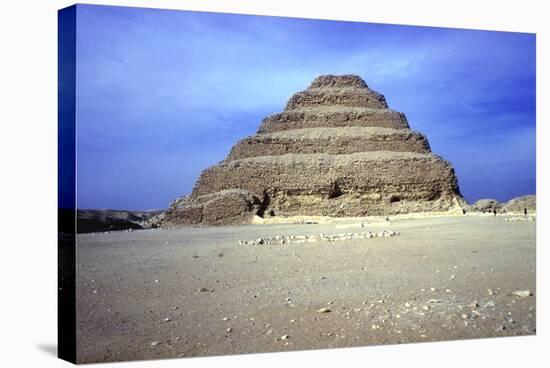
(514, 219)
(293, 239)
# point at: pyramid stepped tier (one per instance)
(334, 116)
(330, 140)
(340, 81)
(336, 150)
(369, 183)
(349, 97)
(349, 91)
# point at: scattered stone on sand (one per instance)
(324, 310)
(522, 293)
(393, 270)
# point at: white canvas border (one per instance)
(28, 151)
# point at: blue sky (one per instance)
(162, 95)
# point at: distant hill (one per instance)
(90, 221)
(513, 206)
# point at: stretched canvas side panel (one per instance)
(66, 322)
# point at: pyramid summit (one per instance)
(336, 150)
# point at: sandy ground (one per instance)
(152, 294)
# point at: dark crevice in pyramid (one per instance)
(336, 150)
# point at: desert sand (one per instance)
(160, 293)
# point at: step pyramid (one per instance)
(336, 150)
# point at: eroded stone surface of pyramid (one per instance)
(336, 150)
